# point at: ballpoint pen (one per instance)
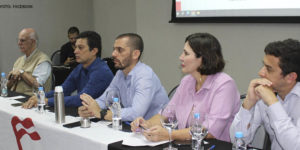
(142, 127)
(128, 123)
(212, 147)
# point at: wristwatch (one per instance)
(21, 71)
(103, 112)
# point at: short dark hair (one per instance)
(208, 47)
(93, 40)
(288, 52)
(135, 41)
(73, 30)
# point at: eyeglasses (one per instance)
(21, 40)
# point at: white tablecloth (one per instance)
(52, 135)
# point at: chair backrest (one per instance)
(55, 58)
(53, 81)
(261, 139)
(267, 142)
(243, 96)
(110, 62)
(172, 92)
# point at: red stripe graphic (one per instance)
(27, 123)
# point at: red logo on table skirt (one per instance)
(27, 123)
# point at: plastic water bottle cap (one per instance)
(196, 115)
(41, 88)
(239, 134)
(58, 89)
(3, 74)
(116, 99)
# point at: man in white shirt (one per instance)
(31, 70)
(274, 99)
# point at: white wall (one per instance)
(50, 18)
(242, 44)
(111, 18)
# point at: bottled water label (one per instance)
(194, 143)
(41, 108)
(117, 123)
(4, 92)
(239, 148)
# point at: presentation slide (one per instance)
(223, 8)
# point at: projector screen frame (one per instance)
(236, 19)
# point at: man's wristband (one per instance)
(103, 113)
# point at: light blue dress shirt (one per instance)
(141, 92)
(281, 120)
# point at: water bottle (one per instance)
(239, 142)
(3, 84)
(196, 124)
(59, 105)
(116, 112)
(41, 100)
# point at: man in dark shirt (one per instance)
(67, 56)
(92, 76)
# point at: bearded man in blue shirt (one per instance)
(141, 92)
(91, 76)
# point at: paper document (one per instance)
(138, 139)
(16, 97)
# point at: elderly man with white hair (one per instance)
(31, 70)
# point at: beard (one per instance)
(124, 64)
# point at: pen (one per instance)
(142, 127)
(212, 147)
(126, 122)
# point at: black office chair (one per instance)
(267, 142)
(110, 62)
(53, 81)
(172, 92)
(243, 96)
(55, 58)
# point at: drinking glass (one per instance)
(35, 87)
(35, 91)
(198, 130)
(169, 121)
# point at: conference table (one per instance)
(26, 129)
(218, 145)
